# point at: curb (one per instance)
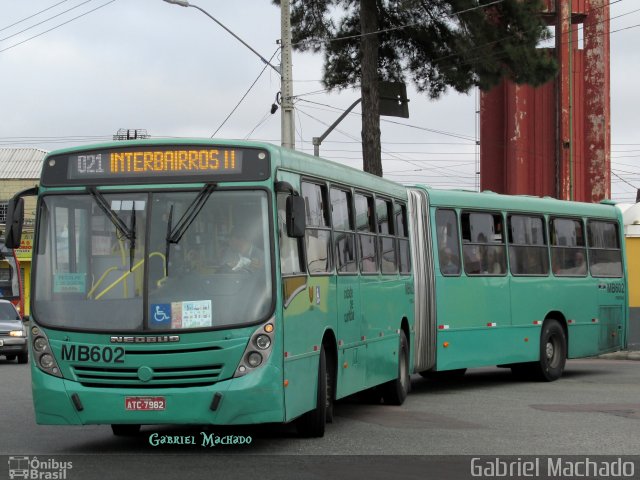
(623, 355)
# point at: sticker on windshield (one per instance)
(69, 283)
(196, 314)
(160, 315)
(175, 315)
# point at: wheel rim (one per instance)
(328, 390)
(403, 370)
(552, 349)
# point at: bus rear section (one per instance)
(523, 282)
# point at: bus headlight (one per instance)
(44, 358)
(254, 359)
(39, 344)
(47, 361)
(263, 342)
(261, 339)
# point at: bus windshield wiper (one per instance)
(128, 232)
(167, 244)
(175, 234)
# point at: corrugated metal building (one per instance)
(20, 169)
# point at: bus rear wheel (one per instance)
(123, 430)
(312, 424)
(396, 391)
(553, 355)
(553, 351)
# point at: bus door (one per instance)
(605, 264)
(350, 323)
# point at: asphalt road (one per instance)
(593, 409)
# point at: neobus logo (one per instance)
(156, 339)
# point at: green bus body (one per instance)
(356, 317)
(483, 320)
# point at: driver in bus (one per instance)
(243, 255)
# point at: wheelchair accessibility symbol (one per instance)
(161, 314)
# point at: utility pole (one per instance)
(286, 83)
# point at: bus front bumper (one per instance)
(254, 398)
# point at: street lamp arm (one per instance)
(185, 3)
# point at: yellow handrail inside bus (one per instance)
(133, 269)
(100, 280)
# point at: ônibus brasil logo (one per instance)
(34, 468)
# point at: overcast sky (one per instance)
(174, 72)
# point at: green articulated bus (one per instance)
(516, 281)
(235, 282)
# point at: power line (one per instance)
(57, 26)
(439, 132)
(631, 185)
(245, 94)
(44, 21)
(31, 16)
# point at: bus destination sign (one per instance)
(203, 161)
(149, 164)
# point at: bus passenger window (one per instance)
(568, 253)
(344, 238)
(605, 256)
(528, 254)
(404, 258)
(448, 242)
(367, 239)
(386, 242)
(483, 244)
(318, 234)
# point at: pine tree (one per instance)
(437, 44)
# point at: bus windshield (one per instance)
(153, 261)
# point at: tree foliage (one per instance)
(434, 43)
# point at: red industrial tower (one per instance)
(555, 139)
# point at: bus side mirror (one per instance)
(296, 216)
(15, 221)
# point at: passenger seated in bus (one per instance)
(493, 265)
(242, 254)
(472, 260)
(579, 263)
(449, 265)
(574, 263)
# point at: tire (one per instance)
(23, 357)
(10, 358)
(553, 352)
(395, 392)
(553, 355)
(312, 424)
(331, 388)
(125, 430)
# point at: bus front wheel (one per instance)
(312, 423)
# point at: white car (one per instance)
(13, 334)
